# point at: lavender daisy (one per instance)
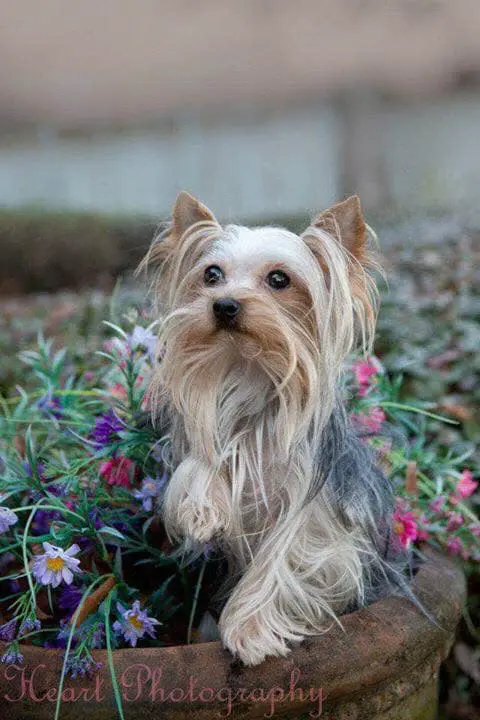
(135, 623)
(150, 490)
(56, 565)
(144, 337)
(7, 518)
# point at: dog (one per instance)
(256, 324)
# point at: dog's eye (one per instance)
(278, 280)
(212, 275)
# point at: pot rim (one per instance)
(377, 643)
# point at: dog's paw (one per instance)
(250, 642)
(200, 522)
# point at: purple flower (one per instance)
(29, 470)
(98, 636)
(28, 626)
(56, 565)
(107, 427)
(61, 639)
(81, 666)
(43, 520)
(12, 657)
(134, 624)
(7, 518)
(70, 598)
(150, 490)
(50, 405)
(7, 631)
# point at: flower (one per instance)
(438, 503)
(107, 427)
(7, 631)
(50, 405)
(118, 391)
(405, 526)
(78, 665)
(365, 371)
(70, 598)
(475, 529)
(7, 518)
(43, 520)
(98, 636)
(56, 565)
(370, 421)
(455, 520)
(134, 624)
(118, 471)
(150, 490)
(28, 626)
(12, 657)
(455, 546)
(466, 486)
(144, 337)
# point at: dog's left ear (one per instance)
(345, 222)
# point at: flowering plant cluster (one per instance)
(84, 560)
(436, 493)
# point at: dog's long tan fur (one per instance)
(254, 417)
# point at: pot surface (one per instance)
(382, 666)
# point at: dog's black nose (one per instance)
(226, 311)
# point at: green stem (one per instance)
(419, 411)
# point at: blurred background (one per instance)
(268, 111)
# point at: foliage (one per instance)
(82, 475)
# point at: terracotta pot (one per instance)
(383, 665)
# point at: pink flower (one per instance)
(365, 372)
(118, 391)
(405, 526)
(118, 471)
(455, 520)
(371, 421)
(438, 503)
(467, 485)
(455, 546)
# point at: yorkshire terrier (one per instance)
(255, 326)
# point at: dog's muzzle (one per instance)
(226, 311)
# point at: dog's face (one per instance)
(234, 296)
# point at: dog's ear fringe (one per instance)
(358, 244)
(157, 251)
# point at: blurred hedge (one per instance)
(49, 251)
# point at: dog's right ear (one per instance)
(187, 212)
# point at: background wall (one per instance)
(262, 108)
